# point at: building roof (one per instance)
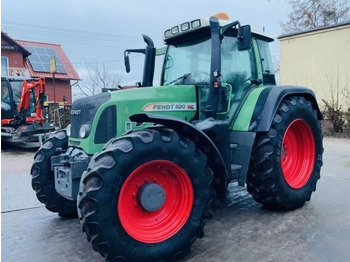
(7, 38)
(315, 30)
(70, 73)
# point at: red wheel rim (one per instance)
(159, 225)
(298, 154)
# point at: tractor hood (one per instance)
(97, 119)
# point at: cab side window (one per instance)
(266, 62)
(238, 70)
(236, 66)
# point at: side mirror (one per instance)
(126, 62)
(244, 38)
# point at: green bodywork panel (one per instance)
(176, 101)
(246, 112)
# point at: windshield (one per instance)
(17, 87)
(188, 62)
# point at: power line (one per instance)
(72, 33)
(69, 30)
(103, 62)
(93, 63)
(78, 36)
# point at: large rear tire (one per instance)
(43, 180)
(126, 224)
(286, 162)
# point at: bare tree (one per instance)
(96, 78)
(336, 101)
(312, 14)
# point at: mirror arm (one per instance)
(230, 25)
(126, 57)
(142, 51)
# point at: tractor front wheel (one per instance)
(43, 180)
(286, 162)
(145, 197)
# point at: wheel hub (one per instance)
(151, 197)
(155, 201)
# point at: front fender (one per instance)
(200, 139)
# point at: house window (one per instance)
(4, 66)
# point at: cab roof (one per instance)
(179, 31)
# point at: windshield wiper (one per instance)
(179, 78)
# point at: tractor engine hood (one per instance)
(97, 119)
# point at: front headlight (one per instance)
(68, 130)
(84, 131)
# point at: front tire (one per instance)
(286, 162)
(122, 222)
(43, 180)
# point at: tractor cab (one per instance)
(222, 59)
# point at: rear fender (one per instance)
(269, 101)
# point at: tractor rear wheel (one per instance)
(286, 162)
(43, 180)
(145, 197)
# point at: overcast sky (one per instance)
(99, 31)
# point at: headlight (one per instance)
(68, 130)
(84, 131)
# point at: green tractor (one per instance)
(142, 166)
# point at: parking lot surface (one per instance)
(240, 231)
